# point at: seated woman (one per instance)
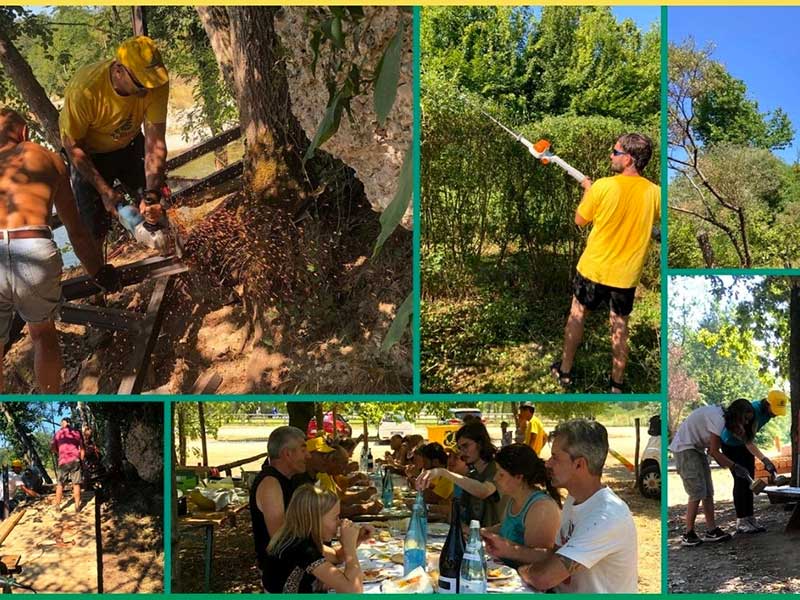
(532, 517)
(300, 563)
(479, 498)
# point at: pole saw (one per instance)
(540, 150)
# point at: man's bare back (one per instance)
(30, 176)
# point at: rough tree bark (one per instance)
(794, 373)
(113, 444)
(21, 74)
(25, 439)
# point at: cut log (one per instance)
(9, 524)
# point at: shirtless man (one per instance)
(32, 180)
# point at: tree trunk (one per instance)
(21, 74)
(174, 536)
(202, 417)
(794, 374)
(85, 413)
(320, 419)
(217, 25)
(300, 413)
(26, 440)
(706, 249)
(180, 408)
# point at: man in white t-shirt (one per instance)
(701, 431)
(596, 549)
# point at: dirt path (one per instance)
(761, 563)
(58, 550)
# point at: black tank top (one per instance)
(260, 533)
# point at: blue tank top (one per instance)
(513, 526)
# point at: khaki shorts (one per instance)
(695, 473)
(30, 281)
(70, 473)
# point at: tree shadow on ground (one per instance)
(749, 563)
(502, 329)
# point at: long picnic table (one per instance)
(381, 558)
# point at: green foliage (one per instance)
(564, 411)
(346, 72)
(727, 182)
(725, 114)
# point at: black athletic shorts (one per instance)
(125, 164)
(592, 295)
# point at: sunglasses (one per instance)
(135, 81)
(616, 152)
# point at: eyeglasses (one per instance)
(135, 81)
(616, 152)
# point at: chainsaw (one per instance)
(146, 220)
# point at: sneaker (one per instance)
(716, 535)
(758, 527)
(690, 538)
(744, 525)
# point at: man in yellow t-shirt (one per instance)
(106, 105)
(623, 210)
(531, 429)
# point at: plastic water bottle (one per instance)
(387, 495)
(414, 545)
(362, 463)
(473, 574)
(419, 504)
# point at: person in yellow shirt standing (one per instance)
(531, 429)
(622, 210)
(106, 105)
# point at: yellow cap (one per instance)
(16, 463)
(318, 444)
(778, 401)
(141, 57)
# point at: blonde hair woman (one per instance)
(297, 555)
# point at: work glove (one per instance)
(740, 471)
(769, 466)
(107, 278)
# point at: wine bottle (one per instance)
(452, 553)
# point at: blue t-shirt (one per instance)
(762, 418)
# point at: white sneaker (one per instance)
(759, 528)
(745, 526)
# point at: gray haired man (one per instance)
(273, 488)
(596, 549)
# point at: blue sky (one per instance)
(643, 16)
(757, 45)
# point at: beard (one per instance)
(616, 168)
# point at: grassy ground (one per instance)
(503, 328)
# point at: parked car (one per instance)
(343, 428)
(457, 415)
(650, 465)
(394, 424)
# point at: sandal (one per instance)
(564, 379)
(617, 387)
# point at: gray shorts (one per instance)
(695, 473)
(70, 473)
(30, 281)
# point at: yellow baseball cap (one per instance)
(16, 463)
(141, 57)
(318, 444)
(778, 401)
